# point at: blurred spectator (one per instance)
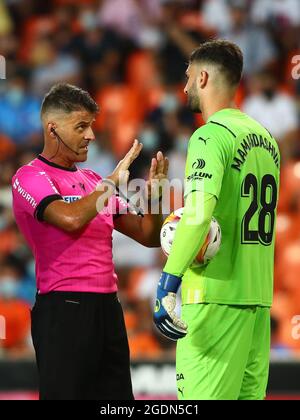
(7, 169)
(142, 342)
(255, 43)
(177, 156)
(6, 23)
(289, 199)
(135, 19)
(279, 350)
(128, 253)
(51, 67)
(178, 42)
(16, 314)
(6, 218)
(285, 308)
(19, 111)
(7, 148)
(275, 110)
(101, 158)
(276, 12)
(99, 49)
(216, 14)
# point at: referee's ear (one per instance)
(51, 130)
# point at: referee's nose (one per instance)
(89, 135)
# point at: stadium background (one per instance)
(131, 55)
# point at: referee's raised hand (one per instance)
(121, 173)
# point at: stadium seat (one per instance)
(121, 110)
(7, 148)
(34, 28)
(141, 71)
(289, 199)
(17, 316)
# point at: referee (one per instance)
(67, 216)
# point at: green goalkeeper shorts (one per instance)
(225, 355)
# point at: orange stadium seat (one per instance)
(287, 232)
(8, 241)
(142, 343)
(291, 278)
(289, 198)
(7, 148)
(17, 318)
(121, 111)
(284, 309)
(134, 278)
(240, 96)
(32, 30)
(141, 70)
(286, 262)
(287, 229)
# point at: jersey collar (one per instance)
(225, 111)
(43, 159)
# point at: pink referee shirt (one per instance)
(81, 261)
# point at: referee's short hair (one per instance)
(68, 98)
(225, 55)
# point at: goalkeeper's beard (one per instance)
(194, 103)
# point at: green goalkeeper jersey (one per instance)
(237, 160)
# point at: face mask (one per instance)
(149, 139)
(8, 287)
(3, 224)
(15, 95)
(169, 103)
(269, 93)
(93, 150)
(88, 20)
(181, 144)
(31, 268)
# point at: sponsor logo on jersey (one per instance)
(204, 140)
(181, 391)
(199, 164)
(199, 175)
(71, 198)
(82, 186)
(24, 193)
(179, 377)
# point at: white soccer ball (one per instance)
(211, 244)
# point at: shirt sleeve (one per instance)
(191, 232)
(33, 191)
(207, 159)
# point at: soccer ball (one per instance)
(210, 247)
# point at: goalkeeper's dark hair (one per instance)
(68, 98)
(226, 55)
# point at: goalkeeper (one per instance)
(232, 173)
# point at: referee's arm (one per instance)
(145, 230)
(72, 217)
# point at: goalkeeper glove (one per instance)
(165, 317)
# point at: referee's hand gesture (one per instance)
(157, 174)
(121, 174)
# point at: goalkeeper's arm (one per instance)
(191, 232)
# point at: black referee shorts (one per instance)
(81, 347)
